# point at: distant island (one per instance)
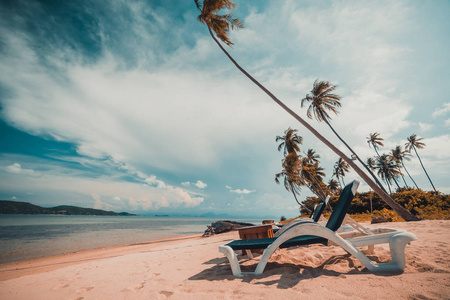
(25, 208)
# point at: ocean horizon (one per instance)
(24, 237)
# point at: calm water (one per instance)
(32, 236)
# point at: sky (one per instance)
(131, 106)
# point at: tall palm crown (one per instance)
(333, 186)
(399, 154)
(414, 142)
(375, 140)
(387, 168)
(340, 168)
(321, 99)
(220, 24)
(290, 141)
(312, 157)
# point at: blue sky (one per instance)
(130, 106)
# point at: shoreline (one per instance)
(43, 264)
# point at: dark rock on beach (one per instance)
(224, 226)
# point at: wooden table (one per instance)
(255, 232)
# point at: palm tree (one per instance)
(312, 157)
(333, 186)
(291, 178)
(375, 141)
(321, 99)
(312, 174)
(387, 169)
(290, 141)
(220, 24)
(415, 143)
(400, 155)
(340, 168)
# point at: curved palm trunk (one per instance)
(424, 169)
(404, 181)
(409, 175)
(356, 155)
(293, 193)
(406, 215)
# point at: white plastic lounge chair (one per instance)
(308, 232)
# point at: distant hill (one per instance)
(25, 208)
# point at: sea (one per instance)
(24, 237)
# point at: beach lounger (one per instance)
(307, 232)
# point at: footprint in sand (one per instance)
(137, 287)
(60, 286)
(84, 290)
(164, 294)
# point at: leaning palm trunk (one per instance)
(424, 169)
(299, 202)
(406, 215)
(409, 175)
(404, 181)
(356, 155)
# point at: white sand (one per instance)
(192, 268)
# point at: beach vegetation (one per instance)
(427, 205)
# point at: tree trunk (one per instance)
(409, 175)
(424, 169)
(356, 155)
(299, 202)
(406, 215)
(404, 181)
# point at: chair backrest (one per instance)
(318, 212)
(342, 206)
(313, 211)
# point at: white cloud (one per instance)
(200, 184)
(425, 127)
(186, 183)
(244, 191)
(228, 187)
(17, 169)
(447, 123)
(152, 181)
(443, 110)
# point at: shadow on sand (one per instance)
(287, 274)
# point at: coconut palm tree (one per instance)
(375, 141)
(291, 177)
(414, 142)
(312, 157)
(321, 100)
(333, 186)
(221, 24)
(400, 155)
(387, 169)
(290, 141)
(340, 168)
(312, 174)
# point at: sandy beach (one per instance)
(190, 267)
